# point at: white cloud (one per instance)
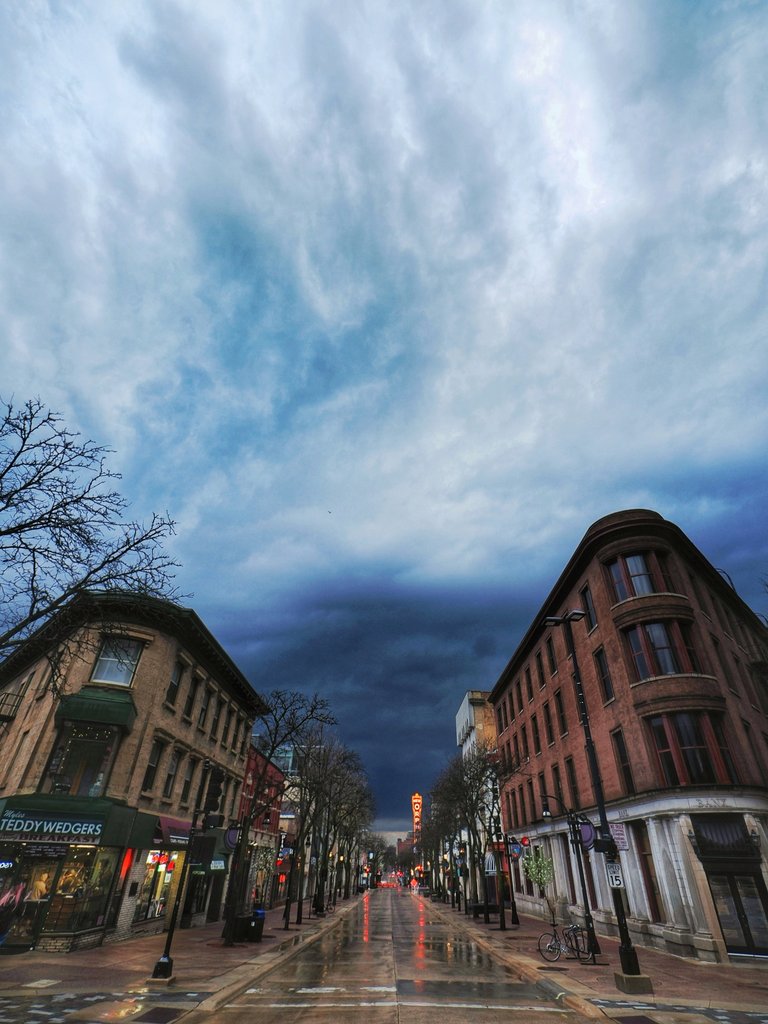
(461, 274)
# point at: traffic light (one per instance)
(215, 787)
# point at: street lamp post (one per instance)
(593, 946)
(164, 966)
(627, 954)
(513, 915)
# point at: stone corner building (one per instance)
(674, 668)
(101, 766)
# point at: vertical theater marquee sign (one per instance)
(416, 805)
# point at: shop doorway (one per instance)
(741, 902)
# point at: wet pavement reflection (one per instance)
(393, 960)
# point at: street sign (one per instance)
(615, 877)
(619, 834)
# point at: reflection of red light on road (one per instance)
(366, 919)
(420, 943)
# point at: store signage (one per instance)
(7, 865)
(49, 828)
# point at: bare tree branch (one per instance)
(64, 528)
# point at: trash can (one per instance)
(242, 928)
(257, 924)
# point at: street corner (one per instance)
(130, 1009)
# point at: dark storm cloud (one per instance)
(386, 303)
(394, 665)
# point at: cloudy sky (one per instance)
(386, 302)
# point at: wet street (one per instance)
(393, 960)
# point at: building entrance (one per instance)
(741, 902)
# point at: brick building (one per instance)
(675, 675)
(103, 763)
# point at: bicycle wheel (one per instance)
(549, 946)
(581, 945)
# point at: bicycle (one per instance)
(572, 941)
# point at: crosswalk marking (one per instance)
(368, 1004)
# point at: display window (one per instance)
(25, 891)
(79, 898)
(153, 896)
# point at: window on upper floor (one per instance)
(560, 708)
(189, 774)
(204, 705)
(539, 671)
(551, 659)
(220, 702)
(573, 783)
(691, 749)
(644, 572)
(499, 722)
(189, 704)
(82, 759)
(529, 683)
(622, 761)
(588, 606)
(662, 649)
(557, 784)
(153, 761)
(603, 674)
(726, 673)
(227, 726)
(519, 695)
(117, 661)
(174, 683)
(170, 776)
(504, 722)
(536, 737)
(548, 725)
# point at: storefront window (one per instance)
(82, 890)
(81, 760)
(152, 900)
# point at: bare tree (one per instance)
(292, 718)
(64, 529)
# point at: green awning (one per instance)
(112, 706)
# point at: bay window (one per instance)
(643, 572)
(661, 649)
(691, 749)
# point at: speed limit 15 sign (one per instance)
(615, 877)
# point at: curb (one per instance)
(257, 968)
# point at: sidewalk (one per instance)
(688, 984)
(203, 968)
(207, 974)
